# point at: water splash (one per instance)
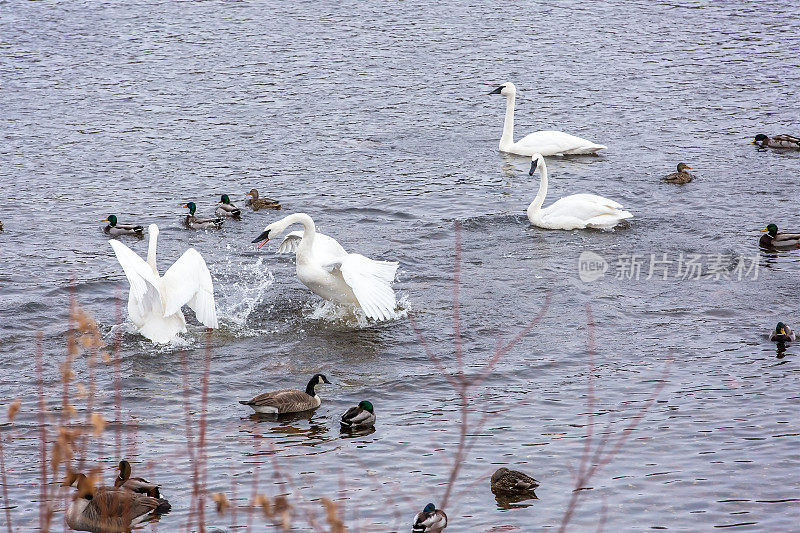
(350, 315)
(240, 288)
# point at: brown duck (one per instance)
(135, 484)
(256, 203)
(681, 176)
(512, 483)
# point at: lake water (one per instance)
(375, 120)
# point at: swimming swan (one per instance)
(329, 271)
(154, 302)
(546, 142)
(572, 212)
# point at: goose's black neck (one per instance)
(310, 387)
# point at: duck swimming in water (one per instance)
(195, 222)
(256, 203)
(429, 520)
(512, 483)
(782, 333)
(681, 176)
(778, 141)
(115, 229)
(226, 209)
(773, 239)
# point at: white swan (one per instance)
(572, 212)
(547, 142)
(154, 302)
(329, 271)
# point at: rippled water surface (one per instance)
(375, 119)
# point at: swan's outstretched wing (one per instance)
(188, 282)
(290, 242)
(144, 283)
(325, 248)
(371, 283)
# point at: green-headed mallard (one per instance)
(782, 333)
(106, 509)
(195, 222)
(226, 209)
(681, 176)
(257, 203)
(778, 141)
(512, 483)
(773, 239)
(429, 520)
(288, 400)
(115, 230)
(135, 484)
(360, 416)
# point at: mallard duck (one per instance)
(430, 520)
(288, 400)
(257, 203)
(135, 484)
(116, 230)
(782, 333)
(778, 141)
(1, 225)
(195, 222)
(360, 416)
(226, 209)
(773, 239)
(512, 482)
(681, 176)
(106, 509)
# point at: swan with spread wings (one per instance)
(155, 301)
(329, 271)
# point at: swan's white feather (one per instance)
(188, 282)
(290, 242)
(551, 142)
(370, 281)
(332, 273)
(145, 285)
(154, 302)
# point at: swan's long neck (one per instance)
(508, 125)
(537, 202)
(151, 250)
(309, 230)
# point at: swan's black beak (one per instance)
(497, 91)
(263, 237)
(533, 167)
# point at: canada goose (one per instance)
(681, 176)
(512, 482)
(360, 416)
(288, 400)
(429, 520)
(135, 484)
(106, 509)
(114, 229)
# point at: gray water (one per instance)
(375, 120)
